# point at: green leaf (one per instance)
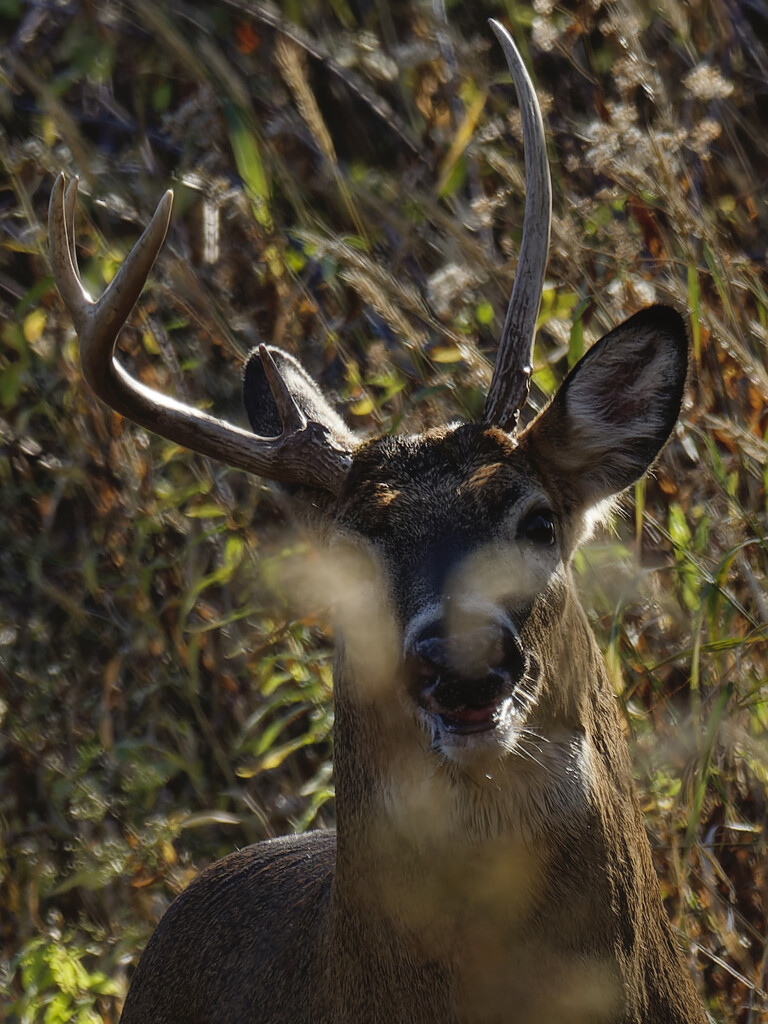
(250, 166)
(11, 380)
(68, 973)
(207, 511)
(679, 531)
(446, 354)
(545, 379)
(59, 1009)
(484, 313)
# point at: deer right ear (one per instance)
(616, 409)
(262, 409)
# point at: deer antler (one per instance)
(512, 372)
(303, 453)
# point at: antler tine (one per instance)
(98, 323)
(67, 278)
(303, 453)
(512, 373)
(70, 199)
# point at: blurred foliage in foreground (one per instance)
(349, 185)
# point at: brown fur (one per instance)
(474, 880)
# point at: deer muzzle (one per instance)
(465, 678)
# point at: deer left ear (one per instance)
(616, 409)
(261, 407)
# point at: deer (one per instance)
(490, 863)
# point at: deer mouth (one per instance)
(467, 706)
(471, 720)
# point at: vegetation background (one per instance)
(349, 185)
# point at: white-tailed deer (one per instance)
(490, 862)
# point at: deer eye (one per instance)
(538, 527)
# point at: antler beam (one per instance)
(303, 453)
(512, 373)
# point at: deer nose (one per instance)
(473, 668)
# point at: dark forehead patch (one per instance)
(452, 450)
(396, 483)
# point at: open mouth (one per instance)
(466, 707)
(466, 721)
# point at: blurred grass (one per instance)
(341, 190)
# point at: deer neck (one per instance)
(523, 878)
(425, 842)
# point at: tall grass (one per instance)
(349, 185)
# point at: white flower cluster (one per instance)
(447, 283)
(620, 146)
(707, 83)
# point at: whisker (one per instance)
(526, 753)
(528, 731)
(524, 695)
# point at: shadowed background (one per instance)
(349, 185)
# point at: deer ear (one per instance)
(262, 410)
(616, 408)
